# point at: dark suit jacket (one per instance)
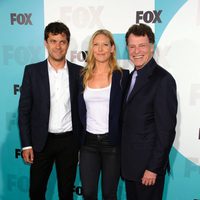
(34, 104)
(149, 120)
(119, 80)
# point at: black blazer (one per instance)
(149, 120)
(119, 80)
(34, 104)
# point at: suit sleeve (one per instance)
(24, 109)
(165, 106)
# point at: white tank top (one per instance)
(97, 106)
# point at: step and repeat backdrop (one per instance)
(177, 28)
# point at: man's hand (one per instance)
(149, 178)
(28, 155)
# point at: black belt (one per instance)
(99, 136)
(60, 135)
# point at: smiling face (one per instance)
(102, 48)
(140, 50)
(57, 46)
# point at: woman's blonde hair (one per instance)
(88, 70)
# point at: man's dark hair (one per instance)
(141, 30)
(56, 28)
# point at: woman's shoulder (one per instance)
(122, 70)
(125, 72)
(122, 74)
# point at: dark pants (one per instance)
(98, 155)
(63, 151)
(137, 191)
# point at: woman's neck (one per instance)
(101, 68)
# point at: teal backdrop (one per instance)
(22, 24)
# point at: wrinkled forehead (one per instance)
(137, 39)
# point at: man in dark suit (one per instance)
(149, 119)
(48, 116)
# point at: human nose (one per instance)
(137, 49)
(100, 48)
(58, 45)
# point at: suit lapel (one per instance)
(114, 86)
(45, 81)
(140, 83)
(128, 86)
(71, 81)
(142, 79)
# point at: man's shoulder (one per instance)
(161, 71)
(74, 65)
(36, 65)
(163, 76)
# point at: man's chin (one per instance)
(59, 59)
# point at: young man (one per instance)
(48, 116)
(149, 119)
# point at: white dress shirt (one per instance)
(60, 105)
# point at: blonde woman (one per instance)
(100, 100)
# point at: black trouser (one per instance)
(98, 155)
(137, 191)
(63, 151)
